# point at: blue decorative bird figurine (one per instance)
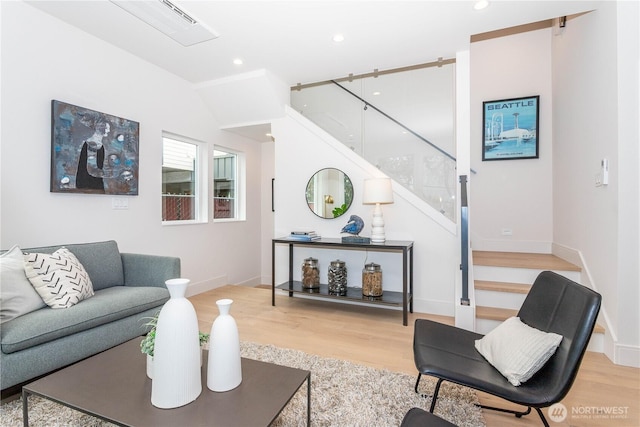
(354, 226)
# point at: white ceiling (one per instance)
(293, 39)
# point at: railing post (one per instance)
(464, 240)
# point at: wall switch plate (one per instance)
(599, 179)
(120, 203)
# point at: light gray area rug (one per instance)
(342, 394)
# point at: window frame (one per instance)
(201, 215)
(240, 184)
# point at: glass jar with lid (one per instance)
(372, 280)
(310, 274)
(337, 277)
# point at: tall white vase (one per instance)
(224, 372)
(176, 352)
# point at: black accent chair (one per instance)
(417, 417)
(554, 304)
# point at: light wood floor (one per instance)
(376, 337)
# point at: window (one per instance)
(228, 171)
(181, 187)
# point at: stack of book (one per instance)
(304, 236)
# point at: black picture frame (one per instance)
(510, 128)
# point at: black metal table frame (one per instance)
(405, 247)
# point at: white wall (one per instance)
(512, 194)
(628, 27)
(596, 113)
(301, 149)
(45, 59)
(267, 216)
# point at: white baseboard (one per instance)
(567, 254)
(620, 354)
(627, 355)
(207, 285)
(251, 283)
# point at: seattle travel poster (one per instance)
(510, 129)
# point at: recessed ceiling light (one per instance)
(480, 4)
(376, 93)
(238, 61)
(338, 38)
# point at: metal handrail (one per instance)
(368, 104)
(417, 135)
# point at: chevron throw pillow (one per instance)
(59, 278)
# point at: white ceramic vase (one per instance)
(176, 352)
(224, 371)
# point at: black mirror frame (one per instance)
(348, 195)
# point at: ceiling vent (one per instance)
(168, 18)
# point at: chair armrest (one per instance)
(149, 270)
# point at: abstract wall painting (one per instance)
(510, 128)
(93, 152)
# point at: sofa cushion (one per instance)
(59, 278)
(107, 305)
(17, 296)
(101, 260)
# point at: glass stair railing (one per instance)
(386, 119)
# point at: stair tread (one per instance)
(522, 260)
(495, 313)
(502, 314)
(485, 285)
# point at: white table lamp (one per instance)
(377, 191)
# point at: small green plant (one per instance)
(204, 338)
(148, 342)
(337, 211)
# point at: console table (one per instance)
(389, 298)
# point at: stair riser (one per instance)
(596, 344)
(515, 275)
(484, 326)
(499, 299)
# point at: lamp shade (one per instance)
(377, 190)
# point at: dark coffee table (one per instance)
(113, 386)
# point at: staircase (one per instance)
(503, 279)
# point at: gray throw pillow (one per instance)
(17, 296)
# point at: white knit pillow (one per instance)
(17, 296)
(517, 350)
(59, 278)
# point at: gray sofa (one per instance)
(127, 288)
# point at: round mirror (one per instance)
(329, 193)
